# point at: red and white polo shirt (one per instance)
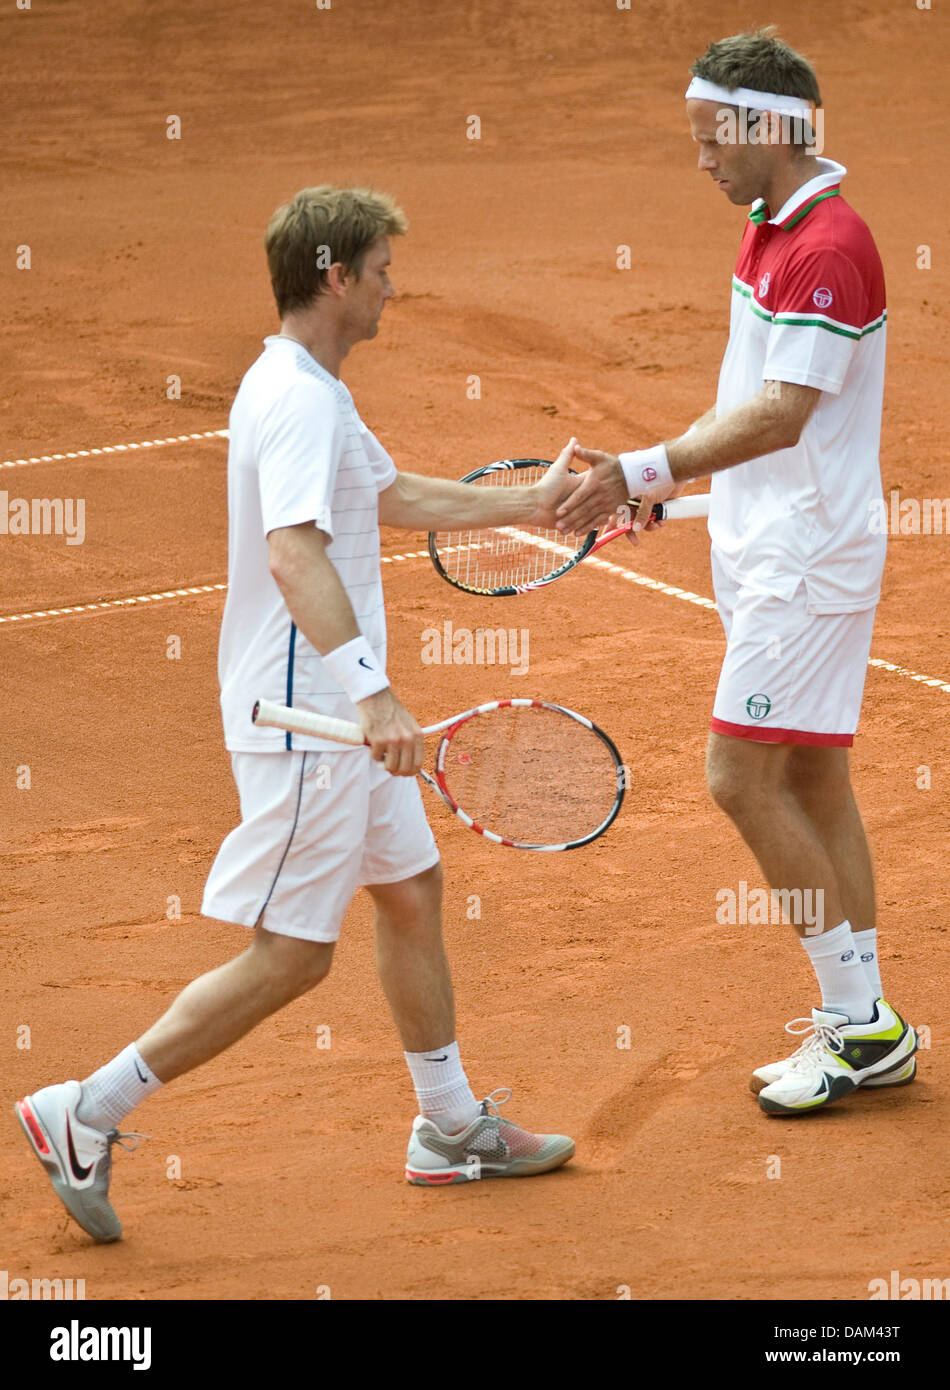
(808, 306)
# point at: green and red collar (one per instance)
(760, 214)
(827, 184)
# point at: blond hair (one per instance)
(318, 227)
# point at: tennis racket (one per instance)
(531, 775)
(501, 560)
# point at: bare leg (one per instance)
(411, 961)
(749, 781)
(821, 783)
(218, 1008)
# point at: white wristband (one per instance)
(646, 470)
(354, 667)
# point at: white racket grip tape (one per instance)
(268, 714)
(685, 507)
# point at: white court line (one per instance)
(935, 681)
(566, 551)
(630, 576)
(875, 661)
(115, 448)
(114, 603)
(157, 597)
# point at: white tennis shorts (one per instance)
(315, 827)
(789, 676)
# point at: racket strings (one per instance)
(531, 775)
(503, 556)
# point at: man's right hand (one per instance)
(394, 737)
(555, 487)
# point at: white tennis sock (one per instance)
(836, 960)
(116, 1089)
(866, 943)
(442, 1088)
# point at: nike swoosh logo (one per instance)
(438, 1059)
(143, 1079)
(363, 662)
(79, 1172)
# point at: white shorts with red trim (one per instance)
(314, 828)
(789, 676)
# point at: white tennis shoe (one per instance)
(836, 1058)
(902, 1075)
(489, 1147)
(77, 1157)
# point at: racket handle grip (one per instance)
(683, 507)
(268, 714)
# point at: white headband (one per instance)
(701, 90)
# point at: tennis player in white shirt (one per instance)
(792, 446)
(308, 486)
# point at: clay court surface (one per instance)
(147, 262)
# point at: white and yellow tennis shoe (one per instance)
(77, 1157)
(836, 1058)
(490, 1147)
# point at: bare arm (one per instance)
(429, 504)
(311, 587)
(772, 420)
(320, 606)
(707, 417)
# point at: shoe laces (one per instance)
(492, 1104)
(823, 1035)
(114, 1137)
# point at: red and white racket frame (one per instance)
(268, 714)
(677, 508)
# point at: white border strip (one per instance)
(114, 448)
(157, 597)
(935, 681)
(630, 576)
(114, 603)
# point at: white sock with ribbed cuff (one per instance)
(866, 943)
(113, 1091)
(442, 1088)
(844, 984)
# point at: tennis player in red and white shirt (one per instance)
(792, 446)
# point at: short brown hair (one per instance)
(760, 60)
(318, 227)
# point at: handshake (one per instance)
(576, 503)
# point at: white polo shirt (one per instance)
(298, 452)
(808, 306)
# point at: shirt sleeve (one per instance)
(819, 315)
(384, 470)
(300, 442)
